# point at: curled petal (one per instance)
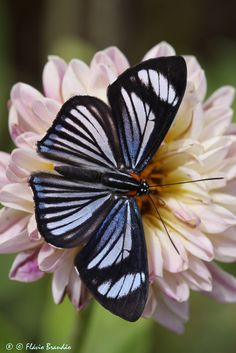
(223, 97)
(111, 58)
(17, 196)
(14, 124)
(224, 245)
(76, 79)
(216, 151)
(161, 49)
(101, 77)
(196, 76)
(53, 74)
(24, 162)
(46, 109)
(25, 267)
(118, 59)
(231, 129)
(22, 98)
(183, 211)
(214, 218)
(155, 259)
(226, 200)
(61, 277)
(174, 286)
(198, 277)
(173, 261)
(32, 229)
(191, 238)
(27, 140)
(14, 236)
(224, 285)
(51, 258)
(229, 170)
(151, 304)
(170, 313)
(4, 161)
(216, 120)
(77, 292)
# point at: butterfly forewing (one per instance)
(144, 101)
(68, 211)
(82, 133)
(113, 264)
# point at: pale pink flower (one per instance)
(200, 217)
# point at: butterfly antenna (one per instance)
(186, 182)
(163, 223)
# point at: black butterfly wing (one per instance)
(144, 101)
(113, 264)
(83, 133)
(68, 211)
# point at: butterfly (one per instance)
(89, 200)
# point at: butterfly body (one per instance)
(100, 152)
(117, 181)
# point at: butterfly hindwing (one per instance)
(113, 264)
(82, 133)
(68, 211)
(144, 101)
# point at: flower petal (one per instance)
(61, 277)
(173, 261)
(24, 162)
(32, 229)
(50, 258)
(13, 231)
(224, 245)
(53, 74)
(17, 196)
(155, 260)
(170, 313)
(27, 139)
(174, 286)
(22, 98)
(224, 285)
(223, 97)
(183, 211)
(151, 304)
(195, 241)
(161, 49)
(214, 218)
(4, 161)
(196, 76)
(76, 78)
(101, 76)
(198, 277)
(46, 110)
(25, 267)
(77, 292)
(118, 59)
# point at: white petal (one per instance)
(53, 74)
(224, 285)
(161, 49)
(76, 79)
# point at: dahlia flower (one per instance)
(200, 216)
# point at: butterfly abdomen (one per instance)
(80, 173)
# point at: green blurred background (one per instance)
(29, 31)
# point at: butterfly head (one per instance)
(143, 187)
